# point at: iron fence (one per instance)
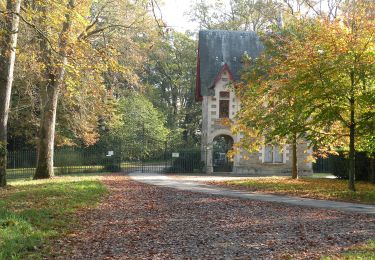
(125, 157)
(323, 165)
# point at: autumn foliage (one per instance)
(314, 82)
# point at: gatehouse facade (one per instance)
(220, 59)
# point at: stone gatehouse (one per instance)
(220, 55)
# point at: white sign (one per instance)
(175, 155)
(110, 153)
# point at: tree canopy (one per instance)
(315, 81)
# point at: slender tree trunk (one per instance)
(8, 46)
(352, 126)
(294, 158)
(352, 147)
(50, 97)
(372, 168)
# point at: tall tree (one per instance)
(109, 44)
(273, 107)
(170, 74)
(55, 75)
(343, 70)
(332, 65)
(8, 45)
(113, 32)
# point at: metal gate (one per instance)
(221, 145)
(156, 157)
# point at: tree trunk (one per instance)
(352, 126)
(372, 168)
(352, 147)
(50, 97)
(294, 158)
(46, 143)
(8, 46)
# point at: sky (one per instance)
(173, 12)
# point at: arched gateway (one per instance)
(221, 145)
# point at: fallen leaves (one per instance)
(139, 221)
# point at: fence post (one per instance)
(120, 157)
(165, 155)
(143, 147)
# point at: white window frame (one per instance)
(283, 154)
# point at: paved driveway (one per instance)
(194, 183)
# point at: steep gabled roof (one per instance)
(222, 48)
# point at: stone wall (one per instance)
(253, 163)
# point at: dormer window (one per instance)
(224, 104)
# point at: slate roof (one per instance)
(217, 48)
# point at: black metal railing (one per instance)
(127, 158)
(323, 165)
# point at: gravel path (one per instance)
(139, 221)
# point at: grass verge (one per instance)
(319, 188)
(33, 212)
(366, 251)
(358, 252)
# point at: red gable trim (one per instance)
(198, 94)
(220, 74)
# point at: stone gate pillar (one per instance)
(208, 159)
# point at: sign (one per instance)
(110, 153)
(175, 155)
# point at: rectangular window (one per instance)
(273, 154)
(278, 154)
(224, 108)
(224, 94)
(268, 154)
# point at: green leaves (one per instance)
(303, 81)
(141, 129)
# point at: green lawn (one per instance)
(27, 173)
(366, 251)
(362, 252)
(33, 212)
(321, 188)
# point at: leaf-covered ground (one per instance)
(139, 221)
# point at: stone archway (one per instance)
(221, 145)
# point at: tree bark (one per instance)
(7, 61)
(294, 158)
(46, 143)
(352, 147)
(372, 168)
(50, 97)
